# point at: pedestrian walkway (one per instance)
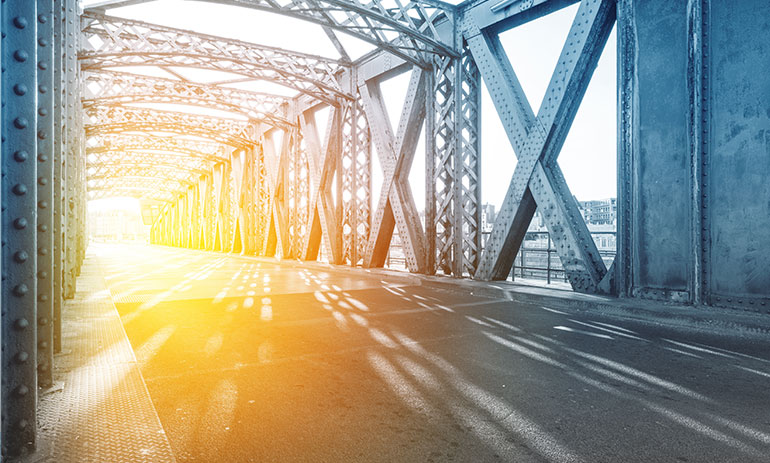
(99, 410)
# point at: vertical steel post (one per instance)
(548, 253)
(19, 248)
(59, 146)
(70, 88)
(45, 201)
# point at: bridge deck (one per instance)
(251, 360)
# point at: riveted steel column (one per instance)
(19, 197)
(59, 145)
(45, 158)
(70, 69)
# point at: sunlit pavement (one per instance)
(250, 360)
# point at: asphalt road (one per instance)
(249, 360)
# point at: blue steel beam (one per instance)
(19, 225)
(45, 192)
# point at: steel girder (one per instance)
(45, 193)
(537, 140)
(183, 162)
(453, 166)
(111, 42)
(110, 87)
(131, 191)
(355, 182)
(149, 144)
(138, 183)
(407, 29)
(158, 170)
(19, 248)
(119, 119)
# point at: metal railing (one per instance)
(537, 258)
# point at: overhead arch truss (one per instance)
(412, 30)
(115, 88)
(110, 42)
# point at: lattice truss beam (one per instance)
(110, 42)
(116, 88)
(537, 181)
(407, 29)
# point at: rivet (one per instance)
(43, 321)
(20, 256)
(43, 298)
(20, 22)
(21, 324)
(43, 112)
(22, 390)
(22, 424)
(19, 189)
(20, 123)
(20, 290)
(42, 274)
(21, 357)
(42, 158)
(43, 345)
(20, 89)
(42, 205)
(42, 65)
(20, 56)
(42, 251)
(43, 18)
(43, 89)
(20, 223)
(42, 367)
(20, 156)
(42, 228)
(42, 181)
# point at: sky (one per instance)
(588, 157)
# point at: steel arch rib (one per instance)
(149, 143)
(115, 88)
(138, 192)
(119, 119)
(125, 42)
(105, 168)
(413, 22)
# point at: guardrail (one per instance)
(537, 258)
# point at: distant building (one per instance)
(599, 212)
(487, 217)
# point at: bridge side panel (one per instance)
(655, 179)
(736, 185)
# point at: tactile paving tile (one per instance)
(104, 412)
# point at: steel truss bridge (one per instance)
(77, 125)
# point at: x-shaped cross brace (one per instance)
(221, 219)
(537, 141)
(278, 230)
(204, 195)
(396, 152)
(322, 160)
(242, 162)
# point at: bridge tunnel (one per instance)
(263, 139)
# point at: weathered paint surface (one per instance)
(739, 191)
